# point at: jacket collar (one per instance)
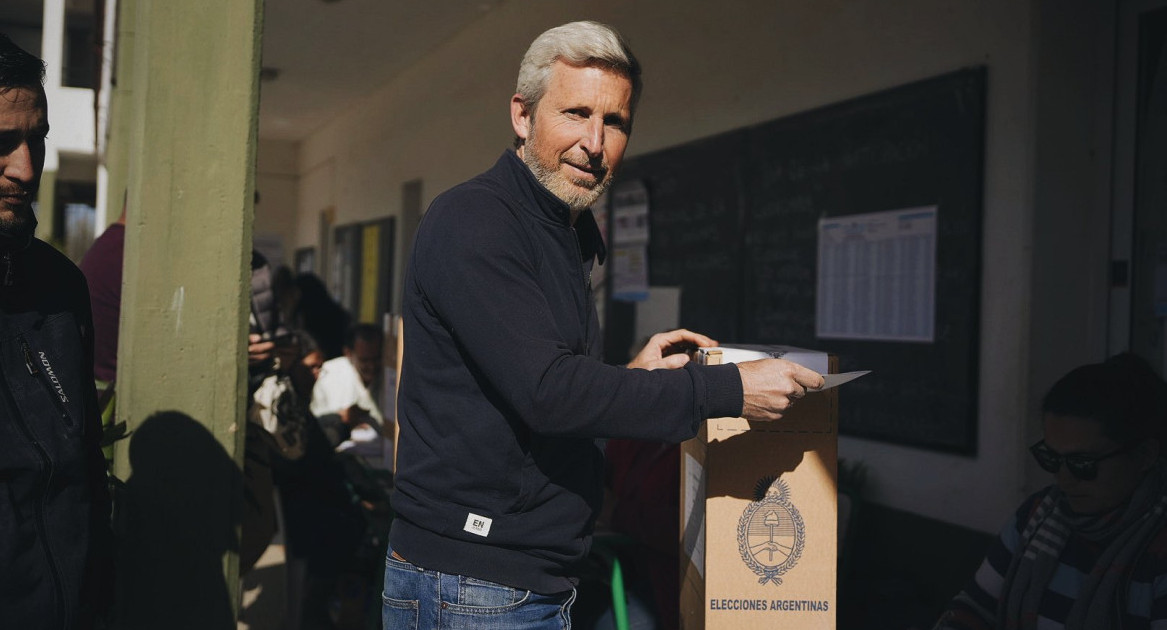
(11, 250)
(542, 203)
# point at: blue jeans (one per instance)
(421, 599)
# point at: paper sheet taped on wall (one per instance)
(694, 542)
(877, 276)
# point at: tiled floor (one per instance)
(265, 592)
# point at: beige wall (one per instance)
(713, 67)
(277, 184)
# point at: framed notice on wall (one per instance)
(361, 273)
(305, 260)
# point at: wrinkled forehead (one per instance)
(23, 92)
(23, 99)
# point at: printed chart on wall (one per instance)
(877, 276)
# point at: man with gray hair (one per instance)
(502, 391)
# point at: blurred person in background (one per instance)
(323, 522)
(321, 316)
(102, 266)
(343, 398)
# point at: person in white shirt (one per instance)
(342, 399)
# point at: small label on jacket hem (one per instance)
(476, 524)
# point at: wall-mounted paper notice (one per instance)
(630, 273)
(877, 276)
(630, 214)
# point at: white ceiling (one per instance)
(328, 54)
(331, 54)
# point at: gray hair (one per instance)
(579, 44)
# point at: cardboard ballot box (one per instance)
(759, 511)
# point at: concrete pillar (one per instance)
(53, 42)
(182, 355)
(46, 199)
(104, 208)
(53, 54)
(116, 158)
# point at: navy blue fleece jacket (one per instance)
(502, 392)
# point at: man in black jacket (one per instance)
(54, 502)
(502, 392)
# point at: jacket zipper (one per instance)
(587, 287)
(40, 376)
(42, 530)
(9, 278)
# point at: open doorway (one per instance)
(1138, 311)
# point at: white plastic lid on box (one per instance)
(812, 359)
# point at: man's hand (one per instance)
(258, 351)
(770, 387)
(355, 416)
(668, 349)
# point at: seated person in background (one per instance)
(1089, 551)
(342, 398)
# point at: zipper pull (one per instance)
(28, 358)
(8, 272)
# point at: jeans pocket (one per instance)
(398, 614)
(394, 563)
(498, 607)
(404, 584)
(487, 597)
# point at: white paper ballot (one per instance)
(813, 360)
(835, 380)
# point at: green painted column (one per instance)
(117, 154)
(182, 355)
(46, 198)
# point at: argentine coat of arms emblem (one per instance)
(770, 533)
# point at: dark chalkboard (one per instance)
(734, 222)
(690, 220)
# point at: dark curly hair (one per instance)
(19, 68)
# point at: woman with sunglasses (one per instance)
(1089, 551)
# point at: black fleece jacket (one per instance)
(55, 541)
(502, 392)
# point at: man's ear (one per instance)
(520, 117)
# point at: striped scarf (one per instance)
(1097, 606)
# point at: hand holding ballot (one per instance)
(770, 387)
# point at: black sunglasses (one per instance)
(1080, 466)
